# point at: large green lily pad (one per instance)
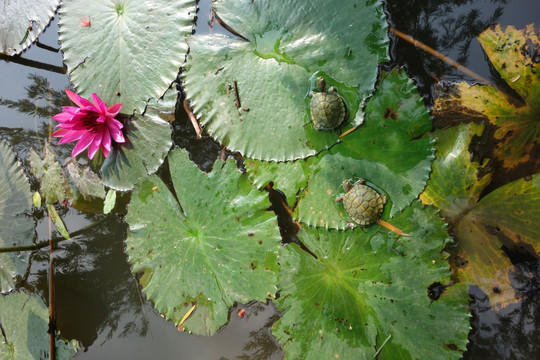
(507, 216)
(365, 295)
(213, 244)
(22, 21)
(25, 324)
(512, 54)
(272, 70)
(15, 227)
(386, 151)
(126, 51)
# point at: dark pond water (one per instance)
(97, 299)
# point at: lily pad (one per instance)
(128, 50)
(386, 151)
(213, 244)
(512, 54)
(507, 216)
(15, 227)
(22, 21)
(148, 140)
(366, 295)
(25, 324)
(261, 83)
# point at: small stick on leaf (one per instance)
(348, 131)
(193, 119)
(186, 316)
(392, 228)
(223, 154)
(236, 98)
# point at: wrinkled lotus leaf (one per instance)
(53, 183)
(507, 216)
(148, 142)
(367, 292)
(252, 94)
(512, 53)
(128, 50)
(25, 322)
(15, 228)
(22, 21)
(218, 247)
(386, 151)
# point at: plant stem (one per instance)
(45, 243)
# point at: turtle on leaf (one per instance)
(327, 108)
(364, 205)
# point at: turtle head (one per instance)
(321, 84)
(347, 185)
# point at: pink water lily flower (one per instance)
(94, 126)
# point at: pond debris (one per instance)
(236, 97)
(392, 228)
(179, 327)
(384, 343)
(241, 313)
(438, 55)
(193, 119)
(348, 131)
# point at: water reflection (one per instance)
(449, 26)
(511, 332)
(93, 282)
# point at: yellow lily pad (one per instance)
(507, 216)
(512, 54)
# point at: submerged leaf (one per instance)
(217, 247)
(512, 53)
(261, 86)
(507, 216)
(366, 293)
(86, 183)
(131, 50)
(15, 228)
(25, 326)
(52, 180)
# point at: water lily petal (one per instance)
(60, 132)
(94, 146)
(63, 117)
(106, 140)
(82, 102)
(116, 134)
(86, 139)
(114, 110)
(100, 104)
(71, 135)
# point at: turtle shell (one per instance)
(327, 110)
(363, 204)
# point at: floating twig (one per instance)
(193, 119)
(439, 56)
